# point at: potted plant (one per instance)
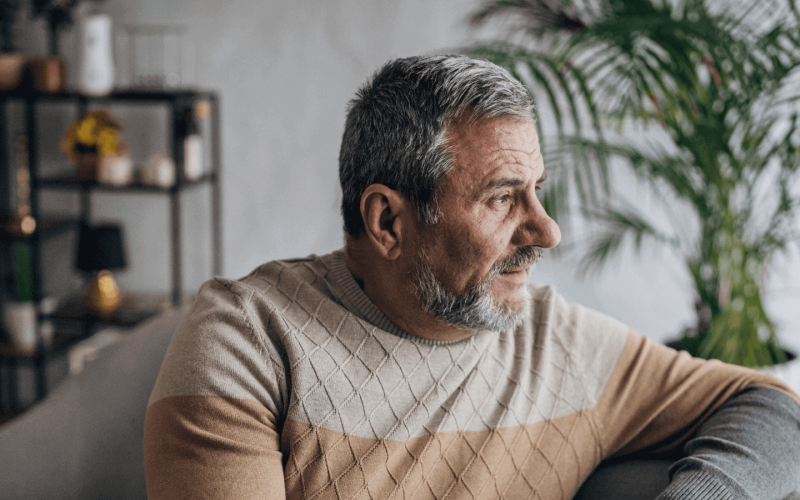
(704, 93)
(92, 144)
(19, 314)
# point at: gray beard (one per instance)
(475, 310)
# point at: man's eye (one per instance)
(502, 198)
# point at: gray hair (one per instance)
(396, 128)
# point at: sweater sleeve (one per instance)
(748, 449)
(656, 397)
(212, 427)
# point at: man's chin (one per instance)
(511, 295)
(518, 300)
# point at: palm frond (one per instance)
(618, 224)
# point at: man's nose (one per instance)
(537, 228)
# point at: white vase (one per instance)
(19, 319)
(193, 157)
(96, 76)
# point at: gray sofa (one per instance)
(85, 440)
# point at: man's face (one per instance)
(474, 263)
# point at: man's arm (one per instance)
(749, 448)
(658, 400)
(212, 428)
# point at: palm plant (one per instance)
(717, 81)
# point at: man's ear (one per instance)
(381, 209)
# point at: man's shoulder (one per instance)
(579, 346)
(276, 280)
(312, 270)
(552, 309)
(582, 332)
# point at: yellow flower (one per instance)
(94, 128)
(107, 141)
(86, 131)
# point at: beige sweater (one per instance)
(291, 382)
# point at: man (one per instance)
(417, 363)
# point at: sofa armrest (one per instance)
(632, 479)
(85, 439)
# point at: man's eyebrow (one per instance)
(504, 182)
(510, 182)
(496, 184)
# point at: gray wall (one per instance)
(285, 71)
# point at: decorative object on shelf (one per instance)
(115, 169)
(159, 170)
(19, 314)
(95, 134)
(100, 250)
(153, 56)
(192, 145)
(23, 223)
(48, 74)
(96, 75)
(12, 66)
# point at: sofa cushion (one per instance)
(85, 439)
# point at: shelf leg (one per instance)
(175, 230)
(216, 188)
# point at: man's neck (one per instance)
(387, 284)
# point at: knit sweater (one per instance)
(291, 382)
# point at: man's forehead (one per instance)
(488, 151)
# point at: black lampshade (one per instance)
(100, 247)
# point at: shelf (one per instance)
(45, 227)
(74, 182)
(129, 315)
(162, 95)
(71, 321)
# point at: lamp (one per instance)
(100, 250)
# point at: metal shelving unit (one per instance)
(177, 102)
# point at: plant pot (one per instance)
(19, 319)
(116, 169)
(86, 165)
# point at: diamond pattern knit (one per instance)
(297, 378)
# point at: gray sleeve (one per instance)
(748, 449)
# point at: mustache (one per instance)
(521, 257)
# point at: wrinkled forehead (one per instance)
(489, 154)
(481, 146)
